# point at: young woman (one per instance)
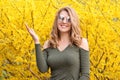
(66, 53)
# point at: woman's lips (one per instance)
(63, 26)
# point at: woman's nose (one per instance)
(64, 21)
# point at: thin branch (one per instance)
(32, 18)
(100, 60)
(45, 13)
(33, 72)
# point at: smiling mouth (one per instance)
(63, 26)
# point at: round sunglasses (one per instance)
(62, 18)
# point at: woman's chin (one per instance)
(64, 31)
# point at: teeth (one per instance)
(63, 26)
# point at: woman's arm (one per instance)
(41, 56)
(84, 60)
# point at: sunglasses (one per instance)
(62, 18)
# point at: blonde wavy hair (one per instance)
(75, 32)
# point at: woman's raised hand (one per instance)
(33, 34)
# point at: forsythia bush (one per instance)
(100, 24)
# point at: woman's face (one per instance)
(64, 22)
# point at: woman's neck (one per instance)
(65, 37)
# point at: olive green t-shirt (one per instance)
(70, 64)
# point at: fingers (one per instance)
(27, 27)
(30, 30)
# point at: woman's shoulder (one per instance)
(84, 44)
(46, 44)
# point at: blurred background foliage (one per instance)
(100, 24)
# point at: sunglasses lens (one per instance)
(68, 19)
